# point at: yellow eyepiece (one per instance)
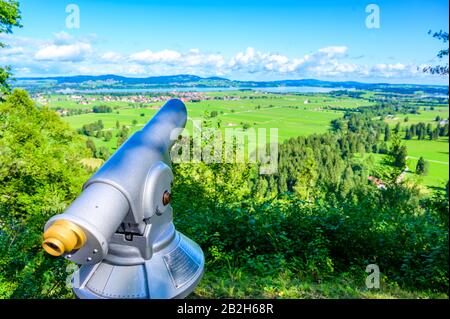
(62, 237)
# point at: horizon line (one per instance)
(219, 77)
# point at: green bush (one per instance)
(40, 172)
(316, 240)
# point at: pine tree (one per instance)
(435, 134)
(412, 131)
(91, 145)
(347, 182)
(397, 128)
(387, 133)
(422, 166)
(398, 152)
(429, 128)
(408, 134)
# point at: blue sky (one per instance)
(258, 40)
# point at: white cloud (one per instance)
(324, 62)
(66, 52)
(254, 61)
(10, 51)
(333, 51)
(393, 70)
(62, 38)
(196, 58)
(150, 57)
(191, 59)
(63, 47)
(112, 57)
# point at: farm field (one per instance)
(292, 114)
(425, 115)
(290, 122)
(435, 153)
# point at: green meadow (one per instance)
(435, 153)
(292, 114)
(425, 115)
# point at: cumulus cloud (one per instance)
(254, 61)
(112, 57)
(333, 51)
(67, 54)
(61, 38)
(10, 51)
(396, 69)
(63, 47)
(189, 59)
(150, 57)
(195, 58)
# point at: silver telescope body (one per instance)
(120, 227)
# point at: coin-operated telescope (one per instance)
(120, 228)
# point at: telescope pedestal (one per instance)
(120, 227)
(175, 267)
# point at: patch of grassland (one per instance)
(292, 114)
(238, 284)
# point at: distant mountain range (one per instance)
(186, 80)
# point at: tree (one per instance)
(429, 128)
(122, 138)
(387, 133)
(443, 130)
(442, 54)
(412, 131)
(40, 174)
(9, 18)
(337, 125)
(102, 109)
(108, 136)
(408, 134)
(397, 128)
(307, 176)
(117, 124)
(435, 134)
(398, 152)
(90, 144)
(214, 114)
(422, 166)
(347, 182)
(102, 153)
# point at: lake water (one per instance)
(278, 89)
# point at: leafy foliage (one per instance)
(40, 172)
(9, 18)
(439, 69)
(317, 220)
